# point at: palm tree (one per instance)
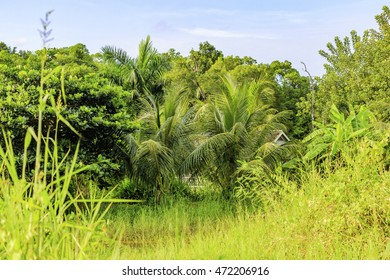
(143, 74)
(238, 123)
(162, 142)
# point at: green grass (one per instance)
(338, 213)
(40, 217)
(340, 210)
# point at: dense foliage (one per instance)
(166, 128)
(94, 107)
(357, 72)
(166, 112)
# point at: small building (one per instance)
(281, 138)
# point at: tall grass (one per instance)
(341, 211)
(40, 218)
(338, 211)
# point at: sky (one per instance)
(265, 30)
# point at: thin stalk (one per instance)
(40, 120)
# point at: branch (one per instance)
(312, 90)
(308, 73)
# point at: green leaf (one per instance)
(316, 150)
(27, 139)
(335, 115)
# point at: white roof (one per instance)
(281, 135)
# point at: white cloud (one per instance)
(219, 33)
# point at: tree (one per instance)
(189, 72)
(290, 88)
(142, 75)
(235, 124)
(287, 85)
(357, 72)
(77, 54)
(93, 106)
(181, 77)
(157, 149)
(204, 58)
(5, 47)
(199, 73)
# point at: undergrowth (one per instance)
(40, 217)
(338, 211)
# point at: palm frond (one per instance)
(275, 154)
(280, 117)
(153, 160)
(263, 92)
(241, 134)
(115, 55)
(145, 52)
(206, 152)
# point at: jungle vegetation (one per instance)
(172, 156)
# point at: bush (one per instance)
(94, 107)
(131, 189)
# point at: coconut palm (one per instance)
(162, 142)
(236, 124)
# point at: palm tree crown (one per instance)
(143, 74)
(237, 123)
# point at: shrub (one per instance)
(94, 107)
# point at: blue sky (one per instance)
(265, 30)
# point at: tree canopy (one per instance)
(158, 118)
(357, 71)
